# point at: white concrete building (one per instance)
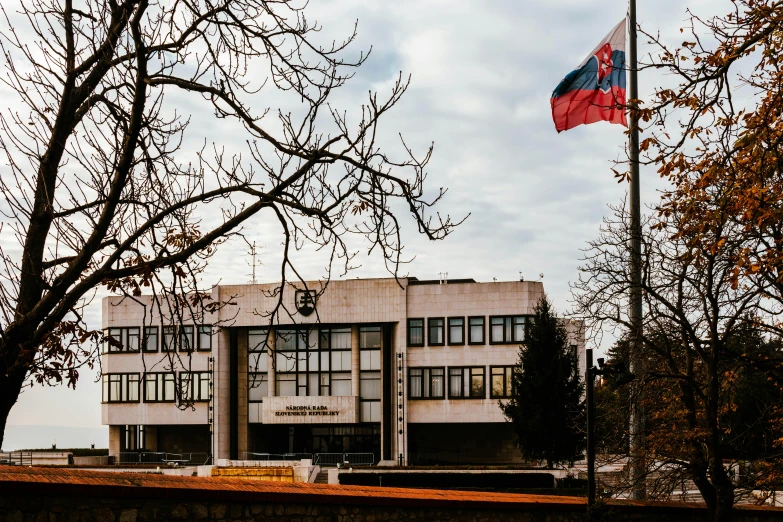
(410, 370)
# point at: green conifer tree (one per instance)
(546, 407)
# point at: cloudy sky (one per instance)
(482, 74)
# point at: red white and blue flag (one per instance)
(595, 91)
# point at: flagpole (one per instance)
(637, 464)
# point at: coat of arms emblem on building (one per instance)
(305, 301)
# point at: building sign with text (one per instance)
(310, 410)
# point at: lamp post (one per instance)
(622, 376)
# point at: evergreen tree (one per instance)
(546, 407)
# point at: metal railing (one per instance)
(16, 458)
(160, 457)
(328, 459)
(249, 455)
(359, 459)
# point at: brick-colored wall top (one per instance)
(65, 481)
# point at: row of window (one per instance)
(181, 338)
(464, 382)
(503, 329)
(158, 387)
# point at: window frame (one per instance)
(124, 336)
(264, 384)
(429, 385)
(160, 387)
(181, 333)
(324, 344)
(157, 339)
(508, 382)
(124, 388)
(198, 328)
(423, 332)
(448, 331)
(483, 330)
(164, 346)
(509, 323)
(195, 382)
(470, 382)
(429, 331)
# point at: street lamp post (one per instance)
(622, 376)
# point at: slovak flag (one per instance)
(595, 91)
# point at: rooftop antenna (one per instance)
(253, 252)
(541, 275)
(521, 277)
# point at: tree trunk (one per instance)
(10, 386)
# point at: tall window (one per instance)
(168, 338)
(120, 387)
(186, 340)
(194, 386)
(125, 340)
(507, 329)
(204, 337)
(476, 330)
(257, 364)
(415, 332)
(467, 383)
(312, 362)
(502, 381)
(426, 383)
(159, 387)
(436, 334)
(150, 338)
(456, 330)
(257, 387)
(370, 373)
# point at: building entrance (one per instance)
(303, 438)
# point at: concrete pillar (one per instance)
(270, 373)
(355, 360)
(241, 392)
(222, 397)
(115, 439)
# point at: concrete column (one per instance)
(270, 373)
(355, 360)
(242, 391)
(115, 439)
(222, 393)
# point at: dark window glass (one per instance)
(466, 383)
(125, 340)
(186, 342)
(436, 333)
(456, 330)
(507, 329)
(205, 337)
(415, 332)
(426, 383)
(502, 381)
(476, 330)
(150, 338)
(168, 338)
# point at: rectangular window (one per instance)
(415, 332)
(120, 387)
(426, 383)
(205, 337)
(467, 383)
(456, 330)
(502, 381)
(186, 340)
(126, 340)
(150, 338)
(476, 330)
(159, 387)
(370, 411)
(257, 339)
(435, 329)
(341, 384)
(257, 387)
(194, 386)
(285, 385)
(508, 329)
(318, 362)
(168, 338)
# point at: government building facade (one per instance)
(407, 371)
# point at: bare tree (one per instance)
(694, 313)
(98, 192)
